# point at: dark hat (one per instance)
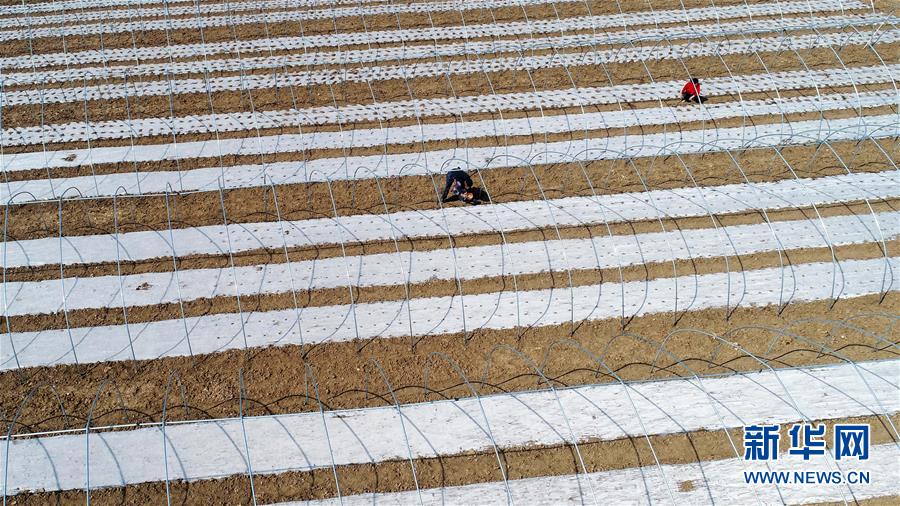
(695, 80)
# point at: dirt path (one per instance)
(277, 256)
(650, 347)
(455, 470)
(437, 288)
(344, 24)
(133, 392)
(308, 201)
(380, 91)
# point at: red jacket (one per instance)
(690, 87)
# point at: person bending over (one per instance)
(458, 185)
(691, 92)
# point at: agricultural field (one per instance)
(229, 276)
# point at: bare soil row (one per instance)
(558, 9)
(272, 256)
(303, 298)
(134, 6)
(460, 85)
(823, 332)
(132, 392)
(463, 469)
(490, 135)
(344, 24)
(280, 52)
(276, 51)
(377, 196)
(571, 141)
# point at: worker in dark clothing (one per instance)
(459, 185)
(691, 92)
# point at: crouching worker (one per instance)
(691, 92)
(459, 186)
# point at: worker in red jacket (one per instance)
(691, 92)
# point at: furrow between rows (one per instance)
(191, 336)
(207, 449)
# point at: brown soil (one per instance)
(643, 348)
(435, 288)
(347, 24)
(395, 476)
(488, 140)
(206, 386)
(276, 256)
(468, 118)
(13, 84)
(317, 200)
(273, 52)
(335, 156)
(38, 22)
(349, 93)
(133, 7)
